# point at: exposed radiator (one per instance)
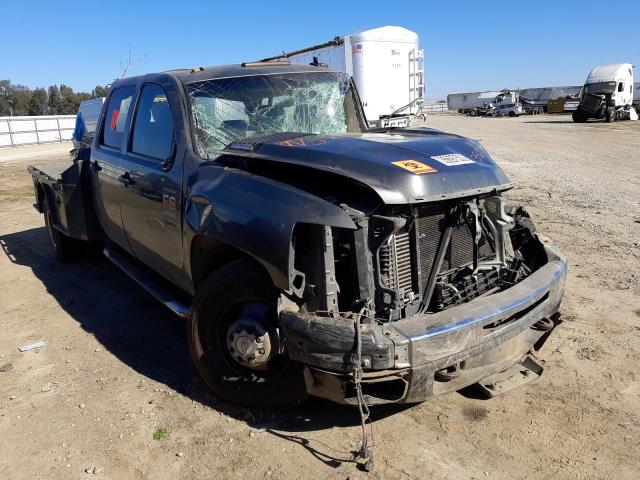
(407, 258)
(459, 253)
(395, 263)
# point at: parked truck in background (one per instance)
(308, 253)
(387, 66)
(607, 94)
(503, 103)
(86, 122)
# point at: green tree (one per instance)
(99, 91)
(6, 103)
(14, 99)
(38, 102)
(70, 102)
(54, 104)
(20, 100)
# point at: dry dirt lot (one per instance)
(115, 368)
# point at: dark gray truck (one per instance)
(308, 253)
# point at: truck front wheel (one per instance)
(578, 116)
(610, 115)
(235, 342)
(61, 244)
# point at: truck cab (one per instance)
(607, 93)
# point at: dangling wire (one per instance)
(365, 452)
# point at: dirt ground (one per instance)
(115, 370)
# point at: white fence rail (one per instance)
(433, 107)
(15, 131)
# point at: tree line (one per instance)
(56, 100)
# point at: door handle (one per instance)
(125, 179)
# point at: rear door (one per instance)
(106, 162)
(151, 198)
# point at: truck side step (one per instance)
(146, 279)
(526, 371)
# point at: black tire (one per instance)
(61, 244)
(610, 115)
(512, 113)
(578, 116)
(220, 303)
(473, 113)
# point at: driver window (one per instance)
(153, 128)
(621, 87)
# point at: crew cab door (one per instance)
(106, 164)
(150, 199)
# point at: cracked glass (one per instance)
(234, 109)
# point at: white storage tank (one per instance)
(386, 63)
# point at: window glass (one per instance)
(621, 87)
(229, 110)
(116, 118)
(153, 127)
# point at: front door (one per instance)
(151, 198)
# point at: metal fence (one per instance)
(434, 107)
(15, 131)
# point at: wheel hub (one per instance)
(249, 344)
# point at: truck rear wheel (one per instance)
(235, 342)
(61, 244)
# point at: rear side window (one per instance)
(116, 118)
(153, 126)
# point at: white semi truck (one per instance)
(387, 66)
(608, 94)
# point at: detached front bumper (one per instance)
(412, 359)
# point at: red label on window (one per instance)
(114, 119)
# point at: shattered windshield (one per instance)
(231, 109)
(602, 87)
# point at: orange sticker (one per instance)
(302, 142)
(414, 166)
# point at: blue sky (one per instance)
(469, 45)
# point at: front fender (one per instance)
(254, 214)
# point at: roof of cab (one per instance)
(610, 72)
(189, 75)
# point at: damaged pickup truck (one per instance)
(308, 253)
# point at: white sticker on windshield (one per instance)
(452, 159)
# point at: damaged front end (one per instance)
(422, 299)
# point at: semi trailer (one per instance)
(387, 66)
